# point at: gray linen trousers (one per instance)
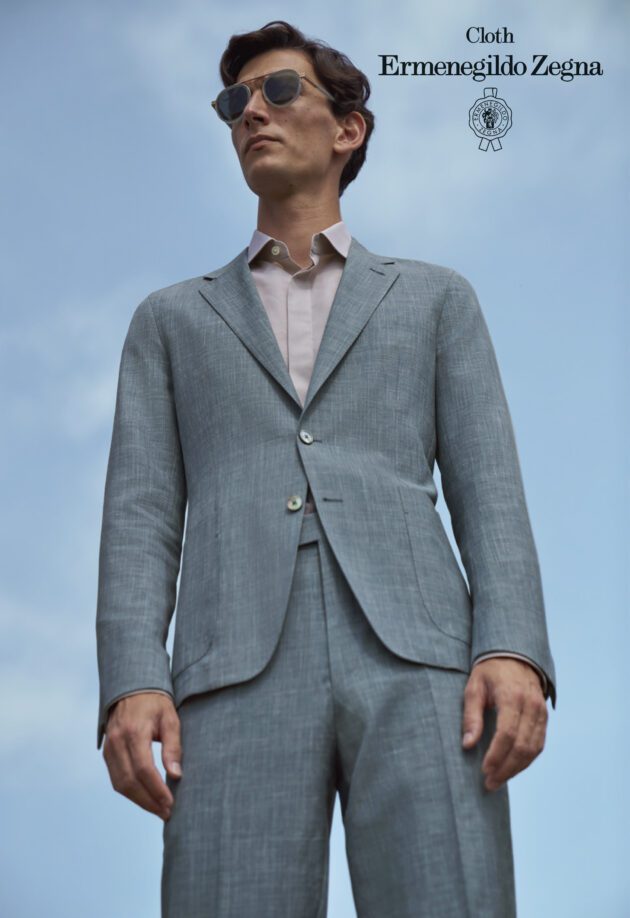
(325, 652)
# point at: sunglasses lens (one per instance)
(231, 102)
(282, 87)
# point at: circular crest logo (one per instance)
(490, 118)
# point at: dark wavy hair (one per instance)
(336, 73)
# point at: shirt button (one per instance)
(275, 249)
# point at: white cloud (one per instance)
(70, 347)
(47, 716)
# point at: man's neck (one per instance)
(296, 222)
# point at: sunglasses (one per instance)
(280, 88)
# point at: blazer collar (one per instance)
(365, 280)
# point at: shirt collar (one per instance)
(335, 237)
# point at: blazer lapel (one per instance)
(232, 293)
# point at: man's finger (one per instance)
(123, 779)
(528, 744)
(509, 711)
(139, 795)
(144, 770)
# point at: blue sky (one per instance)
(117, 179)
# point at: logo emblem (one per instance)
(490, 118)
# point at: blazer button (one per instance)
(294, 502)
(305, 436)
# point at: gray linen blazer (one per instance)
(209, 435)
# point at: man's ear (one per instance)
(351, 130)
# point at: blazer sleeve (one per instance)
(483, 488)
(143, 519)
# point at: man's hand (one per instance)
(513, 687)
(133, 723)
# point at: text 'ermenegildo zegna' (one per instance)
(493, 64)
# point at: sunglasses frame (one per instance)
(263, 77)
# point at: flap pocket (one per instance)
(197, 596)
(440, 580)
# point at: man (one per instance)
(295, 401)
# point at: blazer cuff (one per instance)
(143, 691)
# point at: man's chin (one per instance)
(270, 186)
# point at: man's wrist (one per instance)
(518, 656)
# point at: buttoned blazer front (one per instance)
(212, 453)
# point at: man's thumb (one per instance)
(472, 722)
(172, 752)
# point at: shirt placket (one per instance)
(300, 333)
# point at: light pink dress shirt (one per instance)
(298, 301)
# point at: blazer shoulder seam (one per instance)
(155, 322)
(447, 287)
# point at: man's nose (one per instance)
(256, 108)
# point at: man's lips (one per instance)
(256, 141)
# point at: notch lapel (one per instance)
(232, 293)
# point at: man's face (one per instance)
(301, 156)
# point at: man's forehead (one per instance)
(275, 60)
